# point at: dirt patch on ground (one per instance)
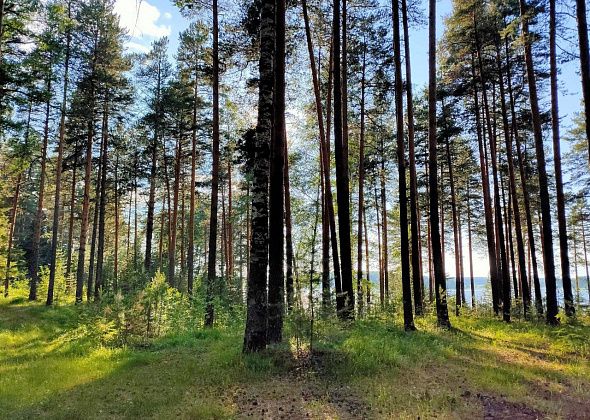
(301, 394)
(499, 408)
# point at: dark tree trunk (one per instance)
(288, 233)
(513, 194)
(401, 164)
(98, 285)
(361, 197)
(325, 157)
(547, 239)
(255, 337)
(34, 268)
(442, 313)
(526, 200)
(568, 296)
(191, 213)
(416, 255)
(59, 160)
(71, 216)
(342, 181)
(455, 229)
(276, 242)
(11, 234)
(211, 275)
(584, 63)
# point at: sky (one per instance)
(147, 21)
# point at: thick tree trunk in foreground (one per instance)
(276, 239)
(255, 338)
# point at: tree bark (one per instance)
(547, 240)
(255, 337)
(211, 275)
(568, 297)
(401, 165)
(584, 63)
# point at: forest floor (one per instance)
(53, 366)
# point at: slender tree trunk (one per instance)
(491, 241)
(470, 250)
(380, 251)
(384, 228)
(584, 63)
(211, 276)
(34, 268)
(416, 256)
(442, 313)
(325, 155)
(568, 297)
(342, 181)
(91, 266)
(361, 196)
(116, 250)
(526, 199)
(401, 164)
(58, 162)
(85, 211)
(513, 193)
(367, 268)
(191, 212)
(174, 216)
(71, 216)
(98, 285)
(455, 229)
(11, 233)
(585, 258)
(548, 262)
(288, 232)
(255, 337)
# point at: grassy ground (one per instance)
(52, 365)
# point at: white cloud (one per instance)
(137, 48)
(168, 15)
(144, 23)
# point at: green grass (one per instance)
(54, 364)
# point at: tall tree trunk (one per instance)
(455, 228)
(276, 238)
(471, 279)
(361, 197)
(380, 251)
(401, 165)
(34, 268)
(71, 216)
(59, 160)
(325, 154)
(342, 181)
(526, 199)
(174, 218)
(547, 240)
(585, 257)
(255, 337)
(211, 275)
(116, 250)
(568, 297)
(85, 211)
(11, 233)
(288, 232)
(191, 213)
(442, 313)
(584, 63)
(369, 283)
(416, 255)
(513, 193)
(489, 222)
(98, 285)
(384, 225)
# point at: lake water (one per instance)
(483, 291)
